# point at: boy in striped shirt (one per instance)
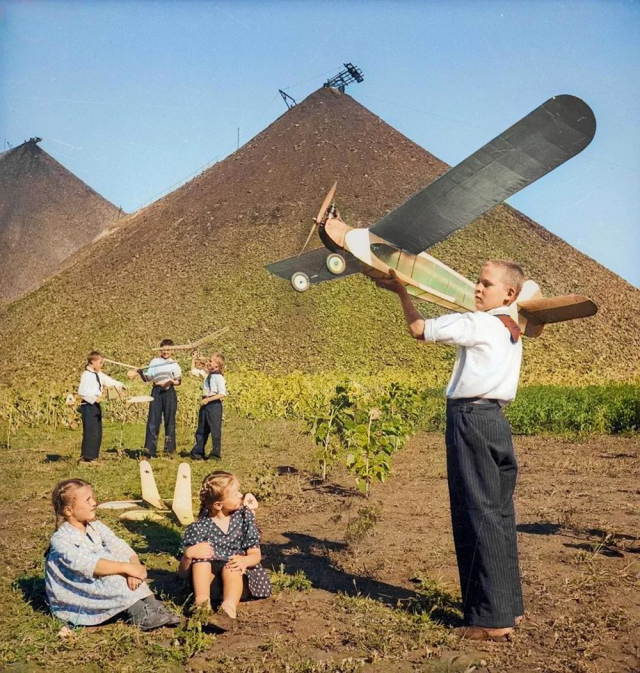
(165, 373)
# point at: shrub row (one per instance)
(610, 409)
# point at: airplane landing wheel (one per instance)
(300, 281)
(336, 263)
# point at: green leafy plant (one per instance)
(282, 580)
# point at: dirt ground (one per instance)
(382, 570)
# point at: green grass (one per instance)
(28, 633)
(281, 580)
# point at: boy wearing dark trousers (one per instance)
(214, 391)
(165, 373)
(93, 383)
(481, 464)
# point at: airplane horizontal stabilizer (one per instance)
(313, 264)
(547, 310)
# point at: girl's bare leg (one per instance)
(232, 587)
(202, 576)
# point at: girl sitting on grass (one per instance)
(224, 545)
(91, 574)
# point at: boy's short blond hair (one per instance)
(512, 273)
(218, 358)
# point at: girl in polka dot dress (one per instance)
(223, 545)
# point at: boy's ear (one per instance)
(511, 293)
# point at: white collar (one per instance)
(499, 310)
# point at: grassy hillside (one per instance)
(194, 261)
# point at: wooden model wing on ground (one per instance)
(150, 492)
(540, 142)
(182, 504)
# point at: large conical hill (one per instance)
(194, 261)
(46, 214)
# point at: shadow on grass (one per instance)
(158, 538)
(168, 584)
(310, 555)
(593, 548)
(287, 469)
(33, 592)
(538, 528)
(56, 458)
(607, 538)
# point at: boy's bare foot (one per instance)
(481, 633)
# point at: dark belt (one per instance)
(471, 400)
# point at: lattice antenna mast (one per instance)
(345, 77)
(289, 101)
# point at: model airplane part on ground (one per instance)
(120, 504)
(141, 515)
(150, 492)
(540, 142)
(182, 504)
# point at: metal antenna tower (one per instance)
(345, 77)
(289, 101)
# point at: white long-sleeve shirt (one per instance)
(92, 384)
(488, 362)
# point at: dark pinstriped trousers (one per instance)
(91, 430)
(481, 471)
(165, 403)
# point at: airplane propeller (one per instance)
(322, 213)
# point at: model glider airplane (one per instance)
(395, 246)
(181, 504)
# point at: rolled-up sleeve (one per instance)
(460, 329)
(108, 382)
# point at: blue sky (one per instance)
(134, 97)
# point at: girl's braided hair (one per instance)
(213, 488)
(62, 496)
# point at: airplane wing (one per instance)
(313, 264)
(543, 140)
